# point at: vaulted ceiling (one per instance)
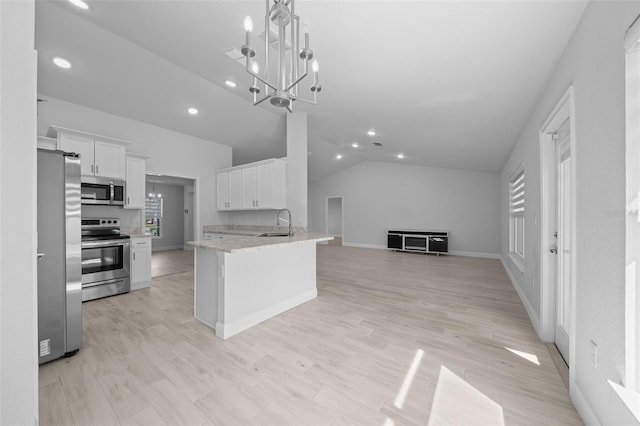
(446, 83)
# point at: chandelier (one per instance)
(292, 59)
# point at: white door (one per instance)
(563, 239)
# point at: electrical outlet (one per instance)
(594, 354)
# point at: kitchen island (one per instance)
(242, 281)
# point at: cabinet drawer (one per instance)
(141, 242)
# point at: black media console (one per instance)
(419, 241)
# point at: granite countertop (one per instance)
(134, 233)
(249, 243)
(248, 230)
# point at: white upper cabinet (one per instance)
(255, 186)
(235, 189)
(99, 156)
(222, 183)
(82, 146)
(249, 188)
(110, 160)
(135, 182)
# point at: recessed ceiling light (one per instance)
(62, 62)
(192, 110)
(371, 132)
(80, 4)
(230, 83)
(355, 144)
(339, 156)
(400, 156)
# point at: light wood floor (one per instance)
(168, 262)
(448, 333)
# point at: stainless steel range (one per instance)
(105, 258)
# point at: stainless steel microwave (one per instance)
(103, 192)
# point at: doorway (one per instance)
(170, 217)
(334, 219)
(557, 145)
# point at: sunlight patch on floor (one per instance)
(529, 357)
(457, 402)
(408, 379)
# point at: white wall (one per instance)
(18, 284)
(594, 63)
(171, 153)
(296, 180)
(172, 222)
(334, 216)
(378, 196)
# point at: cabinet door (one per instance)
(264, 186)
(135, 187)
(110, 160)
(249, 188)
(235, 189)
(140, 261)
(222, 183)
(82, 146)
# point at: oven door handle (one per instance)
(104, 243)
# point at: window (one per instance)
(153, 215)
(516, 217)
(631, 379)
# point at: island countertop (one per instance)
(250, 243)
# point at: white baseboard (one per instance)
(533, 316)
(139, 286)
(453, 253)
(213, 326)
(481, 254)
(229, 329)
(371, 246)
(582, 406)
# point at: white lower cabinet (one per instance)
(140, 263)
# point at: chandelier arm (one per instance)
(307, 101)
(250, 71)
(295, 26)
(292, 21)
(256, 102)
(297, 81)
(267, 40)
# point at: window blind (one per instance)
(153, 208)
(517, 194)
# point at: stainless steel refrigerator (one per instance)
(59, 255)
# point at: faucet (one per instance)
(288, 221)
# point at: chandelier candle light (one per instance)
(283, 92)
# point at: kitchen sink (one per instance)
(274, 234)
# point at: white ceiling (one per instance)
(447, 83)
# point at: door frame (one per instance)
(564, 109)
(187, 190)
(326, 215)
(196, 196)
